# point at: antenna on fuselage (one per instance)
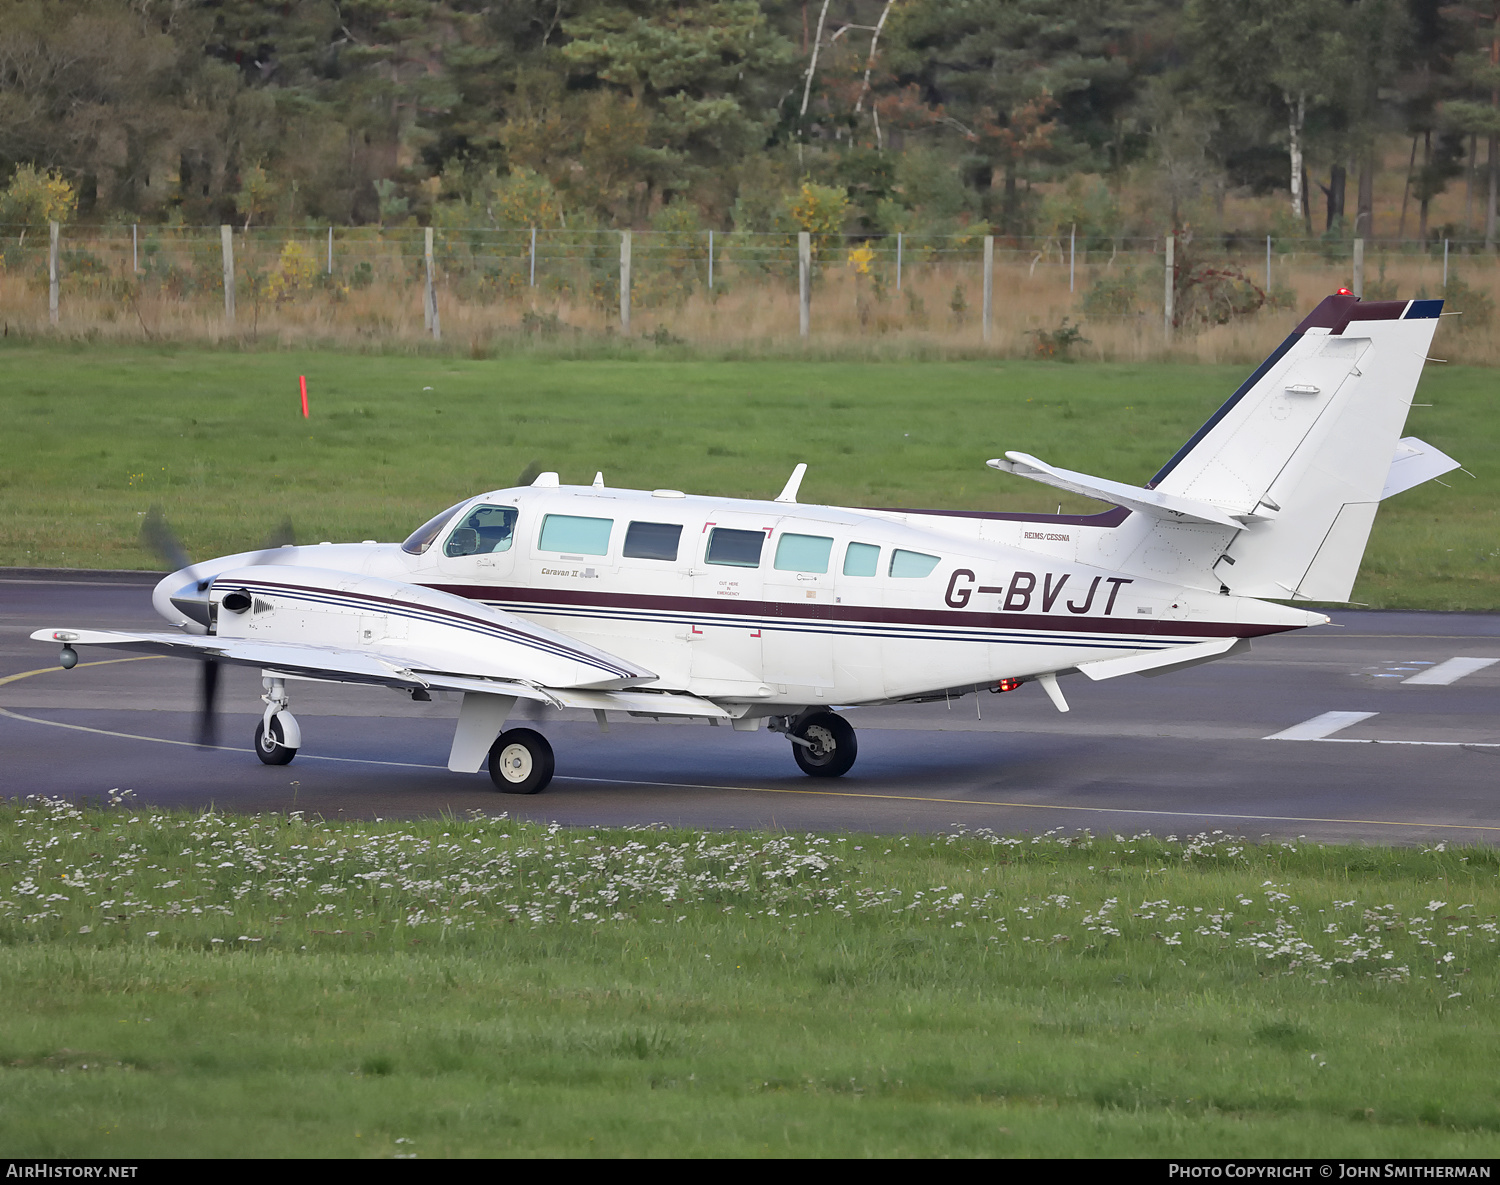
(793, 484)
(599, 480)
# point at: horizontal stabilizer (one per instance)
(1159, 662)
(1415, 461)
(1172, 507)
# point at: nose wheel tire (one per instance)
(833, 747)
(521, 762)
(269, 748)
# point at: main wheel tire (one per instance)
(270, 749)
(834, 747)
(521, 762)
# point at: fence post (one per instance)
(135, 248)
(1445, 265)
(52, 276)
(898, 261)
(533, 257)
(625, 282)
(427, 285)
(432, 309)
(710, 259)
(1268, 265)
(226, 245)
(1171, 284)
(989, 286)
(1072, 255)
(330, 249)
(1359, 268)
(804, 282)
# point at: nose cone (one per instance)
(182, 598)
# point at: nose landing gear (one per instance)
(278, 736)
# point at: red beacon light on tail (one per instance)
(1344, 292)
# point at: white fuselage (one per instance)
(858, 606)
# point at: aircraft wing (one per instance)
(339, 627)
(330, 664)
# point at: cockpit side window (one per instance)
(421, 539)
(483, 530)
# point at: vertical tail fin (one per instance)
(1302, 451)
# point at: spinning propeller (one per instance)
(192, 600)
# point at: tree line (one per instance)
(916, 116)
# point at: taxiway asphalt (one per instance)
(1385, 739)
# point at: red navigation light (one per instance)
(1007, 685)
(1345, 292)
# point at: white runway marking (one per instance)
(1450, 671)
(1320, 726)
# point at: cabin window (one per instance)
(423, 537)
(652, 541)
(483, 530)
(803, 553)
(862, 559)
(575, 535)
(912, 564)
(734, 549)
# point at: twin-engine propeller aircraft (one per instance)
(661, 604)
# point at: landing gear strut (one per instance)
(823, 743)
(521, 762)
(278, 736)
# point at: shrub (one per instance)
(1113, 293)
(1476, 305)
(34, 199)
(1055, 343)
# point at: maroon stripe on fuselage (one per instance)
(1105, 518)
(560, 648)
(796, 612)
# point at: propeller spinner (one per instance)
(192, 600)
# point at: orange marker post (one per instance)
(303, 379)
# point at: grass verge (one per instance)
(94, 437)
(198, 985)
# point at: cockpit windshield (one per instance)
(484, 529)
(421, 539)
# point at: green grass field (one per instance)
(95, 436)
(196, 985)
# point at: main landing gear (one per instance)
(278, 736)
(521, 762)
(823, 743)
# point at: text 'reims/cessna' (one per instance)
(661, 604)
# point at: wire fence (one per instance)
(376, 280)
